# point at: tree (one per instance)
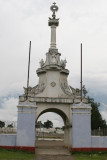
(48, 124)
(2, 124)
(39, 124)
(10, 125)
(57, 128)
(96, 117)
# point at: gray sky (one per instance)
(81, 21)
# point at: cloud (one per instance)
(103, 110)
(8, 109)
(104, 115)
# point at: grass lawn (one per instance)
(91, 156)
(16, 155)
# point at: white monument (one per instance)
(53, 94)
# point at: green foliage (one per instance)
(39, 124)
(57, 128)
(10, 125)
(48, 124)
(62, 128)
(2, 124)
(96, 118)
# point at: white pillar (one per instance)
(70, 127)
(26, 126)
(53, 36)
(81, 127)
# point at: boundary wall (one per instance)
(81, 130)
(25, 137)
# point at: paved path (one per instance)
(54, 158)
(52, 150)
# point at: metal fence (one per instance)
(99, 132)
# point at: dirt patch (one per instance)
(52, 150)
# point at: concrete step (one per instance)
(52, 151)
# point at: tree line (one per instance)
(2, 124)
(48, 124)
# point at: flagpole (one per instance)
(81, 72)
(28, 69)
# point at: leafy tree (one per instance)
(39, 124)
(96, 117)
(62, 128)
(48, 124)
(2, 124)
(10, 125)
(57, 128)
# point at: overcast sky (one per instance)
(81, 21)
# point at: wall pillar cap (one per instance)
(81, 105)
(27, 104)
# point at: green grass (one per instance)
(16, 155)
(90, 156)
(23, 155)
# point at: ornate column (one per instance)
(53, 22)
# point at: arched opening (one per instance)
(54, 110)
(53, 117)
(52, 134)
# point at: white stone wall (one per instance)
(7, 139)
(99, 141)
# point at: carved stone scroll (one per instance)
(38, 88)
(65, 88)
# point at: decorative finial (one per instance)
(54, 8)
(53, 22)
(54, 3)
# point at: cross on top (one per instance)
(54, 9)
(54, 3)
